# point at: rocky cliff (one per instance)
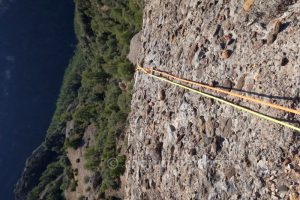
(184, 146)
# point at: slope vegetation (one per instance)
(96, 92)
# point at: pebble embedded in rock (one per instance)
(225, 54)
(287, 161)
(213, 148)
(258, 44)
(241, 82)
(272, 35)
(151, 104)
(277, 27)
(227, 84)
(222, 18)
(161, 95)
(213, 83)
(284, 61)
(248, 5)
(283, 188)
(271, 38)
(294, 196)
(226, 127)
(209, 125)
(193, 151)
(147, 141)
(229, 172)
(228, 37)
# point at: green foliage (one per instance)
(120, 168)
(72, 82)
(73, 185)
(124, 102)
(95, 76)
(74, 141)
(112, 29)
(111, 97)
(135, 7)
(82, 198)
(93, 158)
(54, 192)
(90, 94)
(50, 182)
(85, 114)
(125, 70)
(68, 176)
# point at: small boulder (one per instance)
(135, 48)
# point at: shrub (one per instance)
(85, 114)
(92, 158)
(86, 179)
(73, 185)
(82, 197)
(124, 102)
(120, 169)
(125, 70)
(74, 141)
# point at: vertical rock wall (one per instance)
(185, 146)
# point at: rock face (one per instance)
(190, 147)
(34, 167)
(135, 48)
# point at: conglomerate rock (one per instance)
(184, 146)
